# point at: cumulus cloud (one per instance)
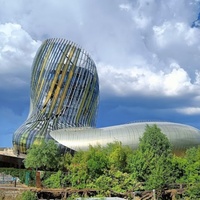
(143, 46)
(17, 50)
(147, 52)
(137, 80)
(166, 60)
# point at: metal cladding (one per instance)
(64, 92)
(180, 136)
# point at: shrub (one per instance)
(28, 195)
(55, 180)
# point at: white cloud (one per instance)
(177, 82)
(173, 34)
(164, 60)
(126, 7)
(145, 46)
(141, 47)
(137, 80)
(197, 79)
(17, 50)
(189, 110)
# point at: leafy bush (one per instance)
(192, 191)
(55, 180)
(28, 195)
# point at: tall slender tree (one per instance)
(151, 162)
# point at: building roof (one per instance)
(180, 136)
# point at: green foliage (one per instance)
(65, 161)
(20, 173)
(155, 142)
(73, 196)
(101, 167)
(151, 162)
(160, 175)
(192, 191)
(192, 168)
(119, 169)
(44, 156)
(103, 183)
(178, 169)
(77, 175)
(118, 155)
(121, 181)
(87, 166)
(96, 161)
(114, 180)
(116, 167)
(28, 195)
(55, 180)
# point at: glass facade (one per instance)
(64, 92)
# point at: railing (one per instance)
(6, 179)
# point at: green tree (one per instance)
(151, 162)
(117, 155)
(192, 172)
(56, 180)
(78, 175)
(77, 170)
(65, 161)
(101, 167)
(43, 156)
(178, 169)
(86, 166)
(96, 161)
(192, 165)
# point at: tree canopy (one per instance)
(118, 168)
(151, 162)
(43, 156)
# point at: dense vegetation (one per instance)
(118, 168)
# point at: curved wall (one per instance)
(64, 92)
(180, 136)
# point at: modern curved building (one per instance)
(180, 136)
(64, 101)
(64, 92)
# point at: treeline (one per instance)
(118, 168)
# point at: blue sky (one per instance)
(147, 54)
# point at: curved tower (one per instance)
(64, 92)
